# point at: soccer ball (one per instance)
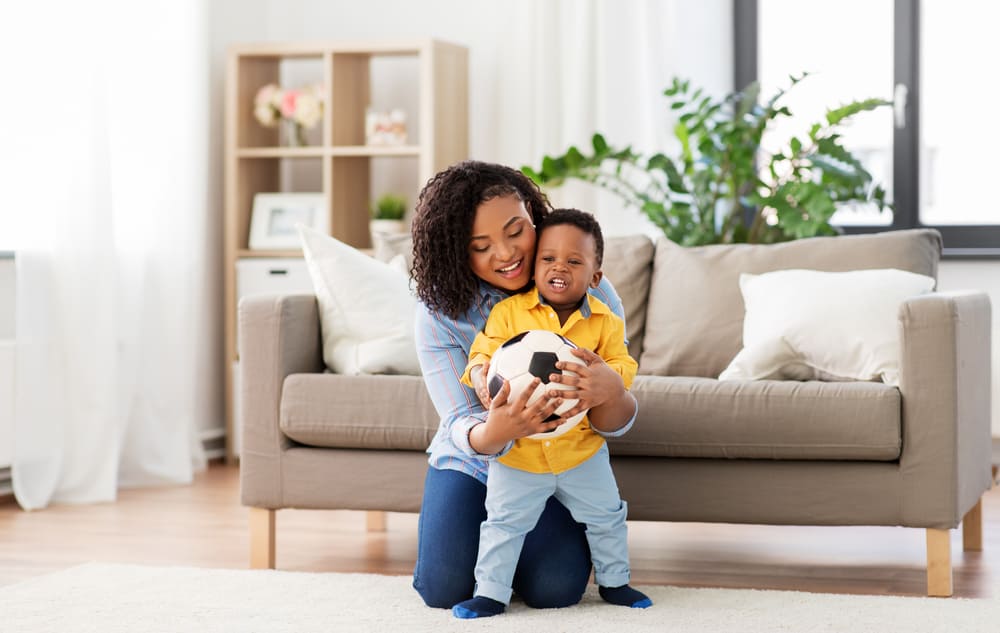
(530, 354)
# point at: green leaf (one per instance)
(531, 173)
(600, 145)
(837, 115)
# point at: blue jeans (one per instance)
(516, 498)
(554, 567)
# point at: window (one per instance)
(933, 149)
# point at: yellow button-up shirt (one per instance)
(592, 326)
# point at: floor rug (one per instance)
(112, 598)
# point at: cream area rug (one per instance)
(111, 598)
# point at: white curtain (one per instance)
(585, 66)
(107, 210)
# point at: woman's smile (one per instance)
(513, 270)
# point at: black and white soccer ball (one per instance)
(530, 354)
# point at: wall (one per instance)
(6, 364)
(985, 276)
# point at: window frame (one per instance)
(960, 241)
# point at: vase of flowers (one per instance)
(296, 109)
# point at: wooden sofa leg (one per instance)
(938, 562)
(262, 538)
(972, 528)
(375, 520)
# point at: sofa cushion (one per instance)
(337, 411)
(365, 309)
(628, 263)
(678, 417)
(703, 417)
(844, 325)
(694, 323)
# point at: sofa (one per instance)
(797, 452)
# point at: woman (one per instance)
(474, 245)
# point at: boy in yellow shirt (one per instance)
(574, 467)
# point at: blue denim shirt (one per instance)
(443, 350)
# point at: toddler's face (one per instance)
(565, 264)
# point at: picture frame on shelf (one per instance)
(274, 216)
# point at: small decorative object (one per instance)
(385, 128)
(275, 216)
(296, 109)
(387, 215)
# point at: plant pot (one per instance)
(388, 226)
(380, 228)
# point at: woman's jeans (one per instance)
(554, 567)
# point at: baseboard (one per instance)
(6, 483)
(213, 442)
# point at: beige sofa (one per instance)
(771, 452)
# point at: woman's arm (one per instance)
(442, 359)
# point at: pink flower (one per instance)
(288, 102)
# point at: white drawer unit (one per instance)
(272, 276)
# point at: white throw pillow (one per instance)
(809, 324)
(366, 309)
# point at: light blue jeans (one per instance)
(514, 501)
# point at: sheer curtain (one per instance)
(107, 211)
(602, 65)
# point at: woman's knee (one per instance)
(553, 592)
(443, 592)
(554, 567)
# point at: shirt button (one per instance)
(552, 315)
(547, 443)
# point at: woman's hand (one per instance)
(512, 419)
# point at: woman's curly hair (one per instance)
(442, 228)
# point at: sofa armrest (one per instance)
(278, 336)
(945, 385)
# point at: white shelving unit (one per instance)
(428, 76)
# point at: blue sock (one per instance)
(478, 607)
(625, 596)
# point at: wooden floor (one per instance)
(203, 525)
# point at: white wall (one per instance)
(979, 275)
(6, 360)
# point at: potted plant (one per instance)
(722, 187)
(387, 214)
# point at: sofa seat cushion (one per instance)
(337, 411)
(766, 419)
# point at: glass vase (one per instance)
(295, 134)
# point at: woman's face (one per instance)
(502, 247)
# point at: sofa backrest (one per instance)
(694, 319)
(628, 263)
